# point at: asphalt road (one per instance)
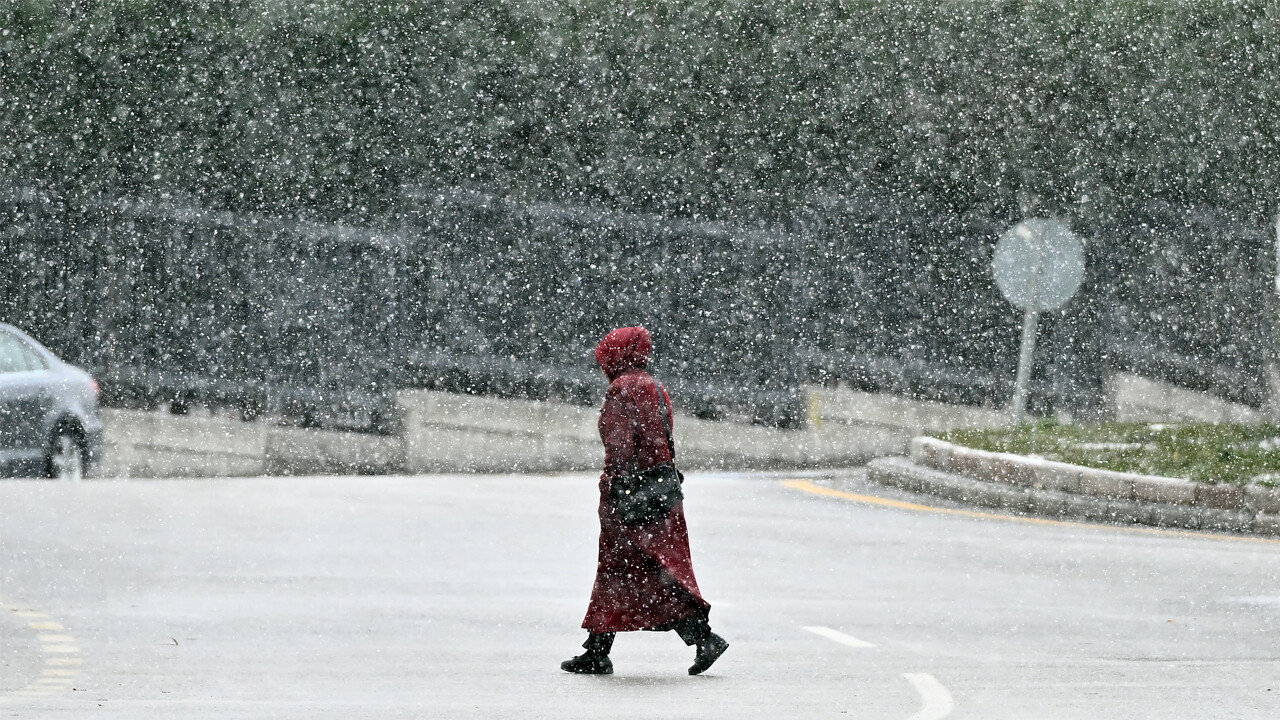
(455, 597)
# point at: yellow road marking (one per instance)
(45, 626)
(815, 489)
(64, 648)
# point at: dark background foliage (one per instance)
(707, 108)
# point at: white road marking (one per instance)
(837, 636)
(60, 657)
(1255, 600)
(60, 648)
(937, 701)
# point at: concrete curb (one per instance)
(1042, 487)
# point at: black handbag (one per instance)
(646, 495)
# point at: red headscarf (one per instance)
(623, 349)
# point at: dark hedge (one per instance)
(716, 108)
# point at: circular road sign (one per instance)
(1039, 264)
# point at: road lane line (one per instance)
(62, 664)
(837, 636)
(937, 701)
(63, 648)
(815, 489)
(30, 614)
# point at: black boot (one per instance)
(709, 650)
(696, 630)
(588, 663)
(595, 661)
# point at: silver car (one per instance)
(49, 423)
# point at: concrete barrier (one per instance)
(148, 444)
(460, 433)
(156, 444)
(907, 416)
(1130, 398)
(445, 432)
(307, 451)
(703, 444)
(1139, 399)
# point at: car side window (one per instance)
(34, 361)
(12, 357)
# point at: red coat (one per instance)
(644, 575)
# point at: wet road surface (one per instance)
(458, 596)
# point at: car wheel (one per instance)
(66, 456)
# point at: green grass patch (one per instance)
(1203, 452)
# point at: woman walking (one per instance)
(644, 574)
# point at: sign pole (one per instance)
(1026, 358)
(1038, 265)
(1272, 406)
